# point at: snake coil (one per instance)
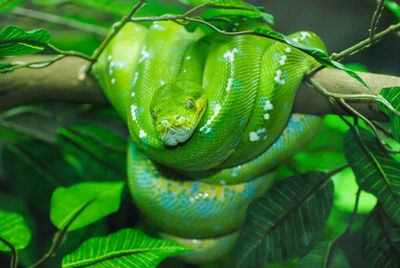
(209, 117)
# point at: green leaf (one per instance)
(11, 204)
(228, 8)
(394, 8)
(358, 67)
(318, 54)
(125, 248)
(318, 257)
(376, 171)
(14, 230)
(381, 243)
(97, 153)
(392, 95)
(286, 221)
(99, 198)
(15, 41)
(7, 5)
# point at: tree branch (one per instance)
(59, 82)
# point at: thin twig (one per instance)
(117, 27)
(59, 236)
(346, 232)
(68, 53)
(358, 47)
(366, 43)
(349, 51)
(32, 65)
(370, 124)
(375, 19)
(14, 255)
(376, 98)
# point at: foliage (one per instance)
(97, 199)
(15, 41)
(71, 165)
(13, 230)
(127, 248)
(280, 225)
(381, 240)
(319, 257)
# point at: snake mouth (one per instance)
(177, 130)
(173, 135)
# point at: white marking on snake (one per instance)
(236, 170)
(188, 57)
(206, 127)
(230, 82)
(135, 77)
(254, 136)
(113, 81)
(268, 105)
(133, 111)
(133, 94)
(266, 116)
(288, 49)
(283, 59)
(157, 26)
(142, 134)
(304, 35)
(162, 82)
(278, 79)
(110, 68)
(295, 39)
(257, 135)
(145, 54)
(230, 54)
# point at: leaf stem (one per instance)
(373, 97)
(117, 27)
(365, 43)
(33, 65)
(59, 236)
(346, 232)
(68, 53)
(375, 19)
(370, 124)
(14, 256)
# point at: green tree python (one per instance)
(209, 118)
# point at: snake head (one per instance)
(176, 110)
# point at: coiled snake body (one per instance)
(209, 118)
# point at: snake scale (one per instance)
(209, 117)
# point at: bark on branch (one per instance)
(59, 82)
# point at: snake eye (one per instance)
(154, 115)
(189, 104)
